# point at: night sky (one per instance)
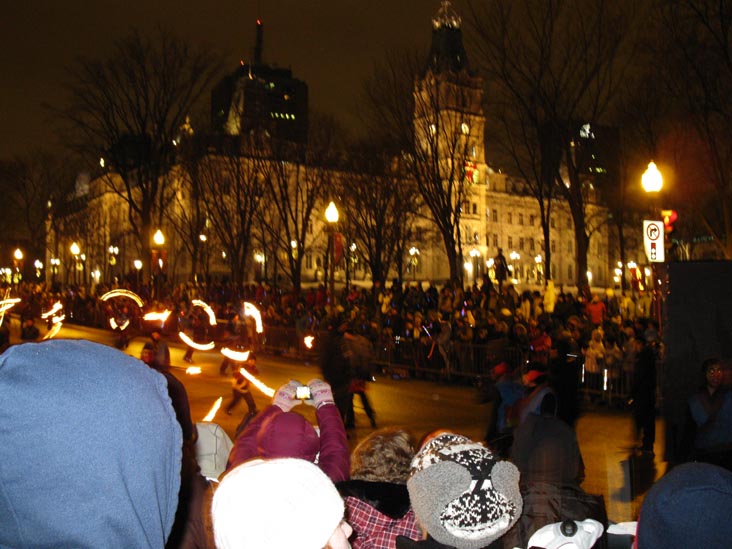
(331, 45)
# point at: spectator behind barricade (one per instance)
(594, 361)
(90, 448)
(550, 298)
(566, 367)
(596, 311)
(711, 411)
(546, 452)
(278, 432)
(376, 497)
(688, 507)
(463, 495)
(278, 504)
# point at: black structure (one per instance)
(258, 96)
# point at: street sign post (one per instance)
(653, 241)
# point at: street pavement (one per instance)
(605, 434)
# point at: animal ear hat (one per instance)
(463, 494)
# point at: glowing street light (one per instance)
(331, 216)
(652, 180)
(414, 255)
(159, 238)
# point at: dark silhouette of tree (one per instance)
(559, 65)
(128, 109)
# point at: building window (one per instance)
(552, 224)
(570, 272)
(521, 243)
(475, 208)
(495, 215)
(309, 261)
(509, 219)
(510, 242)
(521, 219)
(495, 240)
(532, 218)
(554, 246)
(310, 227)
(531, 244)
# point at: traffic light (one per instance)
(669, 218)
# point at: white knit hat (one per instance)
(275, 504)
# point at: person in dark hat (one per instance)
(688, 507)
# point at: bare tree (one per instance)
(128, 109)
(299, 177)
(559, 64)
(232, 187)
(433, 116)
(697, 57)
(380, 204)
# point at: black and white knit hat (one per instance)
(463, 494)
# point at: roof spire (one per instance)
(258, 45)
(446, 17)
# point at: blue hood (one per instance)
(90, 449)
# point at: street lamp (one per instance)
(331, 216)
(652, 182)
(113, 253)
(138, 265)
(514, 256)
(55, 262)
(159, 240)
(414, 260)
(75, 251)
(475, 254)
(17, 263)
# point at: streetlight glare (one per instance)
(331, 213)
(75, 250)
(159, 238)
(18, 254)
(652, 180)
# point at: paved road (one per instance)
(423, 406)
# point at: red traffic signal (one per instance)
(669, 218)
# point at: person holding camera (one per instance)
(278, 432)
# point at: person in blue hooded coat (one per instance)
(90, 448)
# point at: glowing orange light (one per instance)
(237, 356)
(113, 324)
(251, 310)
(123, 293)
(309, 340)
(162, 316)
(53, 310)
(215, 408)
(58, 319)
(193, 370)
(209, 311)
(53, 331)
(198, 346)
(268, 391)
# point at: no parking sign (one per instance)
(653, 241)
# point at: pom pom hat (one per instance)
(275, 504)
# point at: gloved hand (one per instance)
(284, 398)
(320, 392)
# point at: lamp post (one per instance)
(652, 182)
(55, 262)
(513, 256)
(18, 264)
(113, 253)
(75, 251)
(159, 240)
(414, 260)
(138, 265)
(331, 216)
